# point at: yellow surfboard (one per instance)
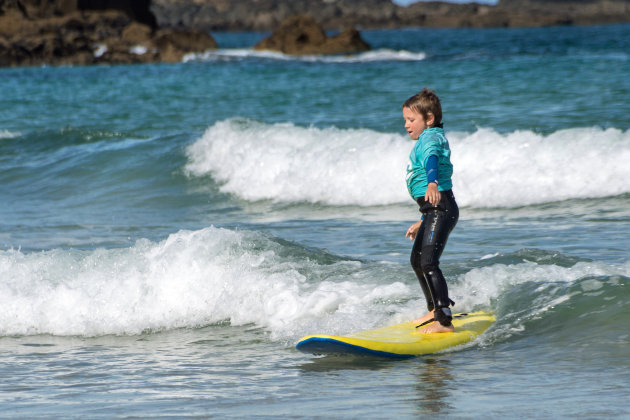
(401, 341)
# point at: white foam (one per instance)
(283, 162)
(287, 163)
(196, 278)
(364, 57)
(99, 50)
(482, 288)
(523, 167)
(480, 285)
(190, 279)
(138, 50)
(6, 134)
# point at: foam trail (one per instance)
(365, 57)
(287, 163)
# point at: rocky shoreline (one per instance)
(57, 32)
(266, 15)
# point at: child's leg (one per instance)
(416, 257)
(439, 224)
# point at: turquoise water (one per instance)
(168, 232)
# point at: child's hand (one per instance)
(413, 230)
(432, 195)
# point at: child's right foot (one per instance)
(423, 318)
(436, 327)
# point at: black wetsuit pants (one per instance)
(428, 246)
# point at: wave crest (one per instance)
(287, 163)
(6, 134)
(190, 279)
(197, 278)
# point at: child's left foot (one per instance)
(436, 327)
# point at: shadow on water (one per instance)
(337, 362)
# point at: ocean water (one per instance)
(169, 231)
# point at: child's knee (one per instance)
(415, 261)
(429, 265)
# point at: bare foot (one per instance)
(423, 318)
(436, 327)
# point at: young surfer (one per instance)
(429, 182)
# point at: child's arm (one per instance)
(432, 195)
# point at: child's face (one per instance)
(415, 123)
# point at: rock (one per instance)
(36, 9)
(349, 37)
(36, 32)
(300, 35)
(137, 10)
(266, 15)
(174, 44)
(136, 33)
(565, 12)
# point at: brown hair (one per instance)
(426, 102)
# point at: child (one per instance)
(429, 182)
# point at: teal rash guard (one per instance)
(431, 142)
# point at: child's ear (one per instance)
(430, 119)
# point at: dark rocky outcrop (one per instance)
(138, 10)
(301, 35)
(266, 15)
(565, 12)
(35, 32)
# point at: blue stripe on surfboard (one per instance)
(321, 345)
